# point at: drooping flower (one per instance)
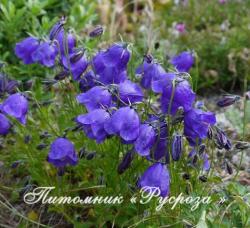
(4, 125)
(196, 124)
(124, 122)
(183, 62)
(16, 105)
(76, 64)
(45, 54)
(67, 42)
(162, 82)
(93, 124)
(25, 49)
(56, 28)
(177, 147)
(62, 153)
(160, 147)
(130, 92)
(95, 98)
(175, 95)
(158, 176)
(150, 71)
(181, 28)
(87, 81)
(145, 140)
(110, 65)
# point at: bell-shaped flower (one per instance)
(25, 49)
(110, 65)
(45, 54)
(93, 124)
(196, 124)
(124, 122)
(130, 92)
(16, 105)
(4, 125)
(76, 63)
(87, 81)
(62, 153)
(184, 61)
(95, 98)
(156, 175)
(175, 95)
(145, 140)
(149, 71)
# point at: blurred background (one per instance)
(217, 31)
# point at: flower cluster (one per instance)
(59, 45)
(117, 106)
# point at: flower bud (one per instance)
(177, 147)
(221, 140)
(98, 31)
(41, 146)
(210, 133)
(60, 76)
(203, 178)
(242, 145)
(228, 100)
(77, 56)
(229, 168)
(126, 162)
(202, 149)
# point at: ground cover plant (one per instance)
(113, 119)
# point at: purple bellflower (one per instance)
(149, 71)
(124, 122)
(158, 176)
(95, 98)
(87, 81)
(183, 62)
(182, 96)
(56, 28)
(160, 147)
(45, 54)
(145, 140)
(62, 153)
(196, 124)
(75, 64)
(110, 65)
(93, 124)
(16, 105)
(130, 92)
(25, 49)
(4, 125)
